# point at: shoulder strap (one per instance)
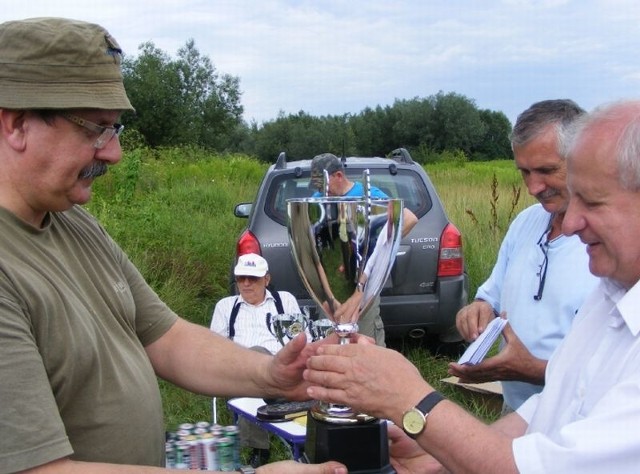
(277, 300)
(279, 308)
(232, 318)
(236, 309)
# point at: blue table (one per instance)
(291, 432)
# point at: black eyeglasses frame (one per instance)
(543, 243)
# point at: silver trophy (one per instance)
(287, 326)
(321, 328)
(344, 249)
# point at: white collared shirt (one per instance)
(587, 418)
(251, 323)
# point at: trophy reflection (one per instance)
(344, 249)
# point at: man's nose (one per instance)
(572, 222)
(111, 152)
(535, 184)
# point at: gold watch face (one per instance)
(413, 422)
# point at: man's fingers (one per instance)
(292, 349)
(329, 395)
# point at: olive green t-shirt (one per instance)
(75, 315)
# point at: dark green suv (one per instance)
(428, 283)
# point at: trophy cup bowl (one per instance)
(344, 249)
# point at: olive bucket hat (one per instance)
(57, 63)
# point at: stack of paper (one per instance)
(478, 349)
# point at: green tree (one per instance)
(152, 84)
(412, 122)
(182, 101)
(439, 127)
(495, 144)
(456, 123)
(372, 131)
(303, 136)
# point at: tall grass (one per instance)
(172, 211)
(481, 199)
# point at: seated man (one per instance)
(245, 320)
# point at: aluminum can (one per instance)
(210, 453)
(194, 452)
(186, 426)
(217, 430)
(217, 433)
(233, 432)
(183, 455)
(170, 455)
(203, 424)
(225, 454)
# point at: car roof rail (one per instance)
(401, 155)
(281, 162)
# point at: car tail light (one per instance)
(450, 261)
(247, 243)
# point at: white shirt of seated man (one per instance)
(256, 303)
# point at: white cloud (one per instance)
(336, 57)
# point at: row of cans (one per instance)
(203, 446)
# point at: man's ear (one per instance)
(13, 126)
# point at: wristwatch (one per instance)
(246, 470)
(414, 420)
(360, 286)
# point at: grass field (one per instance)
(172, 212)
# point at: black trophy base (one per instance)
(362, 447)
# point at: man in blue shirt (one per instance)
(541, 276)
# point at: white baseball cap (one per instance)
(251, 264)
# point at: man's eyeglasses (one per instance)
(248, 278)
(543, 243)
(105, 134)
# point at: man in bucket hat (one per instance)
(82, 335)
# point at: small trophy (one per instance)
(321, 328)
(287, 326)
(344, 249)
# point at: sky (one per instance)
(338, 57)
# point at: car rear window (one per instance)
(406, 184)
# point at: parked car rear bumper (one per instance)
(409, 315)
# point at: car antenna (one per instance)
(281, 162)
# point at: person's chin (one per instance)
(553, 205)
(597, 261)
(83, 194)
